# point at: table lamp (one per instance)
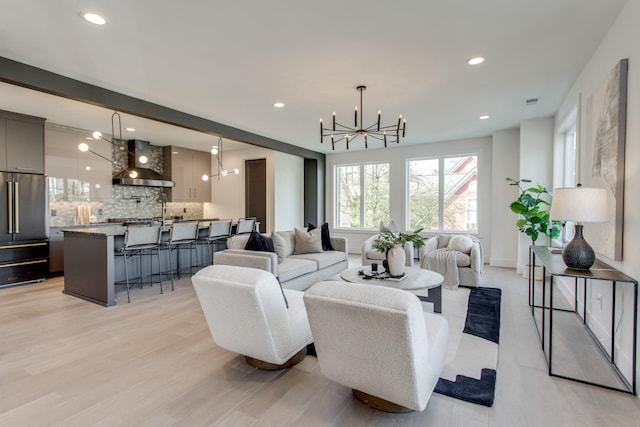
(579, 204)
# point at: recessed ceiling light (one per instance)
(94, 18)
(131, 129)
(484, 117)
(278, 105)
(475, 61)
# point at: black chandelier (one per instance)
(338, 132)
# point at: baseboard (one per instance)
(503, 262)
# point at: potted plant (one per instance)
(392, 245)
(533, 211)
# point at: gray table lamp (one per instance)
(579, 204)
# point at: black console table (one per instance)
(583, 357)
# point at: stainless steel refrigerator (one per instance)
(24, 232)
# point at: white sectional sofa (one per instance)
(295, 271)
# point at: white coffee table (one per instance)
(417, 279)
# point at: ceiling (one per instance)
(231, 61)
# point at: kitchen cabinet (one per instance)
(21, 143)
(76, 176)
(185, 168)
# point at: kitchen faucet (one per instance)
(164, 207)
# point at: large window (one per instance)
(362, 195)
(442, 193)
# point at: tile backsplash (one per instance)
(126, 201)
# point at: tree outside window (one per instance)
(362, 195)
(440, 191)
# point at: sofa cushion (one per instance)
(307, 241)
(462, 259)
(292, 267)
(259, 242)
(283, 243)
(374, 254)
(461, 243)
(324, 235)
(237, 242)
(323, 259)
(443, 241)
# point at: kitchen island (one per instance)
(91, 268)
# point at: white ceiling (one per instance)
(230, 61)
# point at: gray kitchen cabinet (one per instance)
(185, 167)
(76, 176)
(21, 143)
(56, 251)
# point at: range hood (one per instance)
(145, 176)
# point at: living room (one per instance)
(527, 149)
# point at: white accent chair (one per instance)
(247, 313)
(377, 341)
(460, 266)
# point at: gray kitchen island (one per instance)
(91, 268)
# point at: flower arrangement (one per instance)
(388, 239)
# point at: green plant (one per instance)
(388, 239)
(534, 211)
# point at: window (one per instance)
(442, 193)
(362, 195)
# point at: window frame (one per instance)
(336, 202)
(441, 190)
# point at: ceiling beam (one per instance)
(31, 77)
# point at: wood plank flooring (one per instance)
(67, 362)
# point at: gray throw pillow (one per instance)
(308, 241)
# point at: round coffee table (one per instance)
(417, 279)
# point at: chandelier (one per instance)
(217, 152)
(338, 132)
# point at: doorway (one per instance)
(255, 190)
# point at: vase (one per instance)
(396, 259)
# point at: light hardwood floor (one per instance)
(67, 362)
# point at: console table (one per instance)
(569, 328)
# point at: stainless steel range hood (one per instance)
(144, 176)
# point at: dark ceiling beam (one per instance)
(31, 77)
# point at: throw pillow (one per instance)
(324, 235)
(307, 241)
(391, 226)
(281, 246)
(461, 244)
(259, 242)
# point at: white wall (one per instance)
(536, 164)
(620, 42)
(227, 193)
(289, 191)
(397, 156)
(505, 163)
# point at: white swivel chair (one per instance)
(377, 341)
(247, 313)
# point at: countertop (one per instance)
(111, 230)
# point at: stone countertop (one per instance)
(111, 230)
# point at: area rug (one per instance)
(474, 334)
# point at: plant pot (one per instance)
(396, 259)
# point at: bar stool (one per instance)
(182, 234)
(139, 241)
(219, 232)
(245, 225)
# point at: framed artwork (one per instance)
(603, 158)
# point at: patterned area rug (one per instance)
(472, 359)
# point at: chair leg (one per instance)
(170, 266)
(126, 275)
(159, 269)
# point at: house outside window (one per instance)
(361, 195)
(442, 193)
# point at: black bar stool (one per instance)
(139, 241)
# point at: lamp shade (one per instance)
(580, 204)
